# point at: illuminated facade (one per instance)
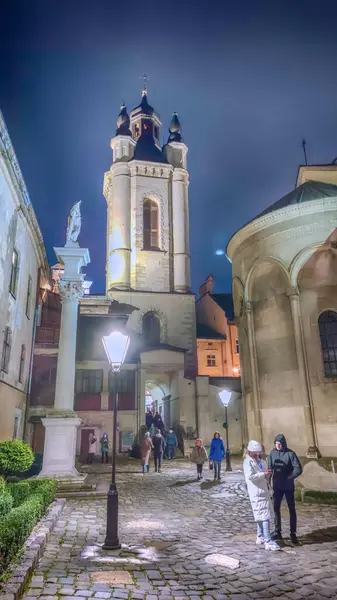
(217, 335)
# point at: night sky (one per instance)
(249, 79)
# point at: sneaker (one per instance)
(271, 545)
(259, 540)
(294, 538)
(277, 535)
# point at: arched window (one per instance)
(151, 328)
(150, 225)
(327, 323)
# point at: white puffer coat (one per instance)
(258, 490)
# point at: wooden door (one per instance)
(38, 438)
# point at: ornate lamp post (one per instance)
(225, 397)
(115, 345)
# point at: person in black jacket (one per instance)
(286, 467)
(158, 450)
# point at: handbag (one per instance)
(211, 465)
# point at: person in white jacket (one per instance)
(258, 490)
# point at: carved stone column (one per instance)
(70, 292)
(305, 387)
(253, 364)
(61, 423)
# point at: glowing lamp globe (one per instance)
(225, 397)
(116, 346)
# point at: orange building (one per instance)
(217, 336)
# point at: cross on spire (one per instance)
(145, 79)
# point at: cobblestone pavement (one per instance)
(170, 528)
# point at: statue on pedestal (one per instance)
(74, 224)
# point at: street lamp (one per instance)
(116, 346)
(225, 397)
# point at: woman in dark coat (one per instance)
(158, 450)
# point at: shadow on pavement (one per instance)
(320, 536)
(184, 482)
(207, 485)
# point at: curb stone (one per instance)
(32, 551)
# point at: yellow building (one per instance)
(217, 336)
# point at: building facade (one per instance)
(23, 268)
(217, 335)
(285, 299)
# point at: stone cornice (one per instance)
(150, 169)
(288, 213)
(21, 195)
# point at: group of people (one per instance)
(159, 445)
(267, 483)
(92, 450)
(154, 421)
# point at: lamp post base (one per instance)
(111, 540)
(228, 462)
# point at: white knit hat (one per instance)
(254, 446)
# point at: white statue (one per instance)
(74, 223)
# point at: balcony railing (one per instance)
(47, 335)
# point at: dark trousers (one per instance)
(290, 498)
(89, 458)
(170, 450)
(157, 462)
(199, 470)
(217, 469)
(104, 457)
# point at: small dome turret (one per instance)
(123, 122)
(175, 129)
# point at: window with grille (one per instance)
(211, 360)
(89, 381)
(13, 285)
(6, 349)
(327, 323)
(29, 296)
(151, 328)
(150, 225)
(22, 362)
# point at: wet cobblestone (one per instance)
(169, 524)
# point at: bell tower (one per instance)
(146, 190)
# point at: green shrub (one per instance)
(46, 488)
(19, 491)
(15, 457)
(319, 497)
(2, 485)
(6, 504)
(16, 527)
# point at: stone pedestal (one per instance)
(60, 447)
(61, 423)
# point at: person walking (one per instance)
(172, 443)
(158, 423)
(199, 457)
(92, 440)
(217, 454)
(158, 450)
(149, 419)
(146, 448)
(104, 448)
(285, 467)
(259, 494)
